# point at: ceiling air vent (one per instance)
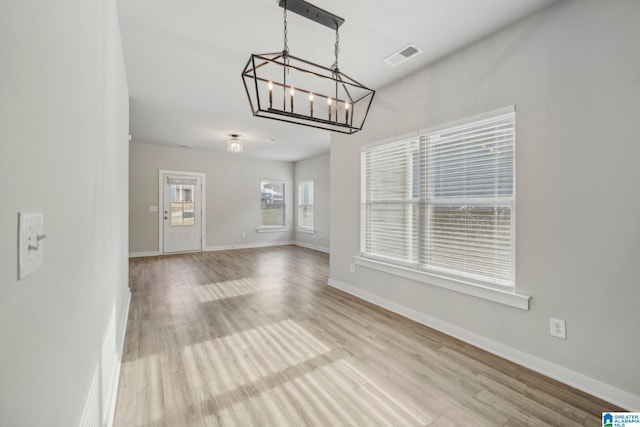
(402, 55)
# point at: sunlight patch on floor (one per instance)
(246, 356)
(229, 289)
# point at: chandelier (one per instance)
(283, 87)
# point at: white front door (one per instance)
(182, 213)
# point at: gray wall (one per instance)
(232, 195)
(316, 168)
(64, 151)
(573, 71)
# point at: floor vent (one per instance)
(402, 55)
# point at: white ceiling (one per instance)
(184, 60)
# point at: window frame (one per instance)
(465, 283)
(300, 206)
(273, 228)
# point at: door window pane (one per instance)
(182, 205)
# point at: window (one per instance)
(444, 202)
(305, 205)
(182, 204)
(272, 207)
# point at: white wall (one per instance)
(316, 168)
(64, 121)
(232, 195)
(573, 71)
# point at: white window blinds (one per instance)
(181, 181)
(391, 198)
(445, 202)
(305, 204)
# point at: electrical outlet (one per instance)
(352, 267)
(558, 328)
(243, 235)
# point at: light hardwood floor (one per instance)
(256, 338)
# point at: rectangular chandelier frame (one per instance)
(283, 87)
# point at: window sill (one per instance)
(272, 229)
(506, 297)
(305, 230)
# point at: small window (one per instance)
(272, 206)
(305, 205)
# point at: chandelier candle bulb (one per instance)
(311, 103)
(270, 94)
(293, 91)
(329, 107)
(346, 112)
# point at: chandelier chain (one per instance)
(285, 50)
(336, 50)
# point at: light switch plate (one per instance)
(30, 242)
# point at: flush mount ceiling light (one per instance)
(234, 145)
(283, 87)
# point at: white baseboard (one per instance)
(247, 246)
(230, 247)
(574, 379)
(312, 247)
(143, 254)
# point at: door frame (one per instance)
(203, 222)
